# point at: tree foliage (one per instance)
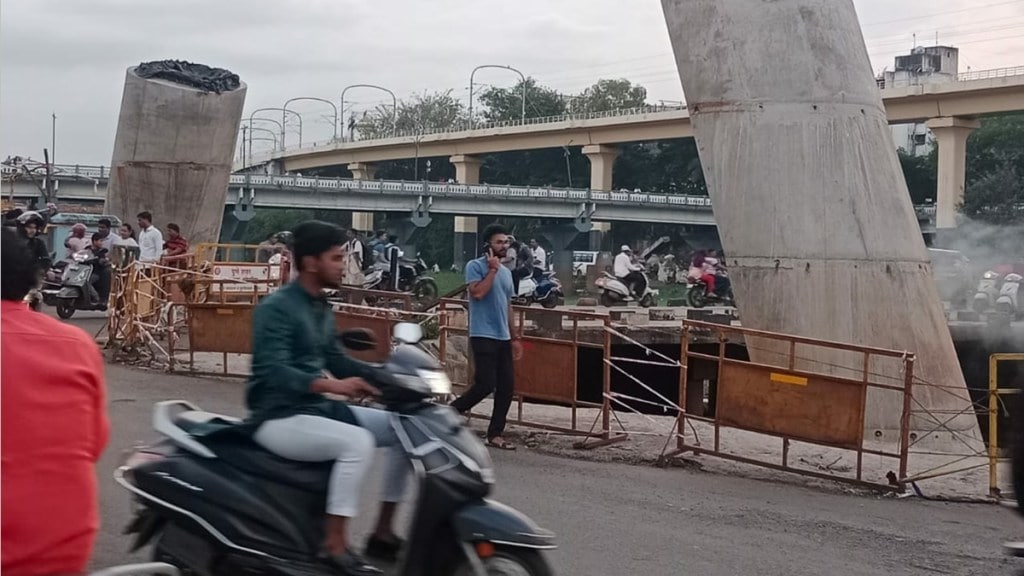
(422, 114)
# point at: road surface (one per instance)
(615, 519)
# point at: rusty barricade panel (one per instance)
(547, 371)
(809, 408)
(552, 340)
(802, 409)
(225, 328)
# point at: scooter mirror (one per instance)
(408, 333)
(358, 339)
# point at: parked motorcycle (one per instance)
(698, 295)
(219, 503)
(75, 289)
(614, 291)
(412, 277)
(987, 291)
(1008, 302)
(545, 289)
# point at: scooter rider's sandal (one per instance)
(350, 564)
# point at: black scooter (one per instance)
(217, 504)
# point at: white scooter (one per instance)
(546, 290)
(1008, 302)
(614, 291)
(987, 291)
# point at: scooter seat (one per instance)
(243, 454)
(237, 449)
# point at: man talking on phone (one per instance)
(492, 338)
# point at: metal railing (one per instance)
(947, 79)
(403, 188)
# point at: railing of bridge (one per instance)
(447, 189)
(962, 77)
(264, 156)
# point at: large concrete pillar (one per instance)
(808, 194)
(362, 171)
(602, 161)
(173, 153)
(467, 240)
(951, 135)
(467, 168)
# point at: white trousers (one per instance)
(308, 438)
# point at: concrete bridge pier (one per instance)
(363, 171)
(602, 164)
(951, 135)
(467, 168)
(467, 240)
(561, 237)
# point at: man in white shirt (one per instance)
(540, 256)
(353, 274)
(630, 272)
(151, 241)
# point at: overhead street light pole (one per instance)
(283, 112)
(394, 103)
(296, 99)
(473, 73)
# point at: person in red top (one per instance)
(175, 247)
(53, 428)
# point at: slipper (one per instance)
(501, 444)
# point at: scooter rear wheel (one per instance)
(510, 561)
(65, 309)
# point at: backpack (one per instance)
(368, 259)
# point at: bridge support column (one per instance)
(363, 221)
(602, 161)
(951, 134)
(467, 168)
(842, 258)
(561, 237)
(362, 171)
(467, 240)
(597, 234)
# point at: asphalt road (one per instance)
(615, 519)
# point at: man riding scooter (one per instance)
(29, 226)
(630, 272)
(295, 362)
(99, 282)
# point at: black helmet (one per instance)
(285, 238)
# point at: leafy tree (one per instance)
(425, 113)
(613, 94)
(501, 104)
(996, 197)
(920, 174)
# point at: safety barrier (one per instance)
(802, 397)
(549, 372)
(995, 402)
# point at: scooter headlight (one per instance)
(437, 380)
(988, 275)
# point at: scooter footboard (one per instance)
(497, 523)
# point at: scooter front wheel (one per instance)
(607, 300)
(509, 561)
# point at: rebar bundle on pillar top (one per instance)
(811, 204)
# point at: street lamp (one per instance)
(394, 103)
(252, 130)
(250, 120)
(282, 111)
(333, 107)
(473, 73)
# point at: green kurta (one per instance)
(294, 341)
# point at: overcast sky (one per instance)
(69, 56)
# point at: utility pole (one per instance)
(48, 182)
(53, 138)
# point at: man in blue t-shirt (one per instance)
(491, 334)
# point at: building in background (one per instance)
(924, 65)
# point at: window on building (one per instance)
(920, 139)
